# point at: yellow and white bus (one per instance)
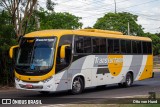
(57, 60)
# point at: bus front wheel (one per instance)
(44, 92)
(77, 85)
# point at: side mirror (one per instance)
(63, 51)
(12, 50)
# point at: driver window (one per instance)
(64, 40)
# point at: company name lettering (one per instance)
(107, 60)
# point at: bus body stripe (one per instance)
(142, 66)
(136, 64)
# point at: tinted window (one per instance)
(102, 44)
(139, 47)
(128, 46)
(79, 44)
(116, 46)
(83, 44)
(144, 47)
(87, 45)
(96, 48)
(110, 46)
(134, 47)
(123, 46)
(147, 47)
(64, 40)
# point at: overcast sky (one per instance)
(90, 10)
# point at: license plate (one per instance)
(29, 86)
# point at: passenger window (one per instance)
(149, 45)
(123, 46)
(87, 45)
(79, 44)
(116, 46)
(96, 45)
(139, 47)
(134, 47)
(144, 47)
(110, 46)
(102, 45)
(128, 46)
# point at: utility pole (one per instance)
(128, 28)
(115, 6)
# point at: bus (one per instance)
(58, 60)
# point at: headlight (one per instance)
(48, 79)
(17, 79)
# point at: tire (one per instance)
(129, 80)
(121, 84)
(153, 75)
(77, 86)
(44, 92)
(101, 87)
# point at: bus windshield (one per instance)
(36, 54)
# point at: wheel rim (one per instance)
(129, 80)
(76, 86)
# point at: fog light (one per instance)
(48, 79)
(48, 86)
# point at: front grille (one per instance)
(33, 86)
(31, 81)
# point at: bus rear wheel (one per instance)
(128, 82)
(77, 86)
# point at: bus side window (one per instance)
(145, 50)
(128, 46)
(79, 42)
(95, 45)
(139, 47)
(87, 45)
(110, 45)
(116, 46)
(134, 47)
(123, 46)
(102, 45)
(149, 47)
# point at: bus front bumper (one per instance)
(35, 86)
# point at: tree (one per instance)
(58, 20)
(119, 22)
(155, 42)
(50, 5)
(20, 12)
(7, 39)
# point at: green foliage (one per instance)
(7, 39)
(50, 5)
(53, 20)
(119, 22)
(58, 20)
(155, 42)
(7, 33)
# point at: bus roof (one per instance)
(86, 32)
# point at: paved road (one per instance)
(111, 91)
